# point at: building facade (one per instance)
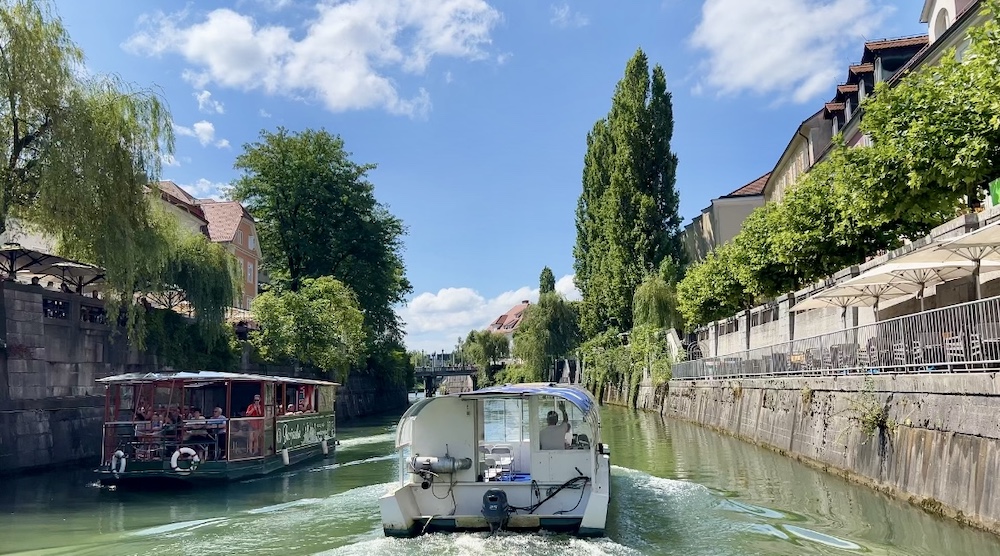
(719, 222)
(230, 225)
(507, 323)
(184, 207)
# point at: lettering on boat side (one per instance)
(303, 431)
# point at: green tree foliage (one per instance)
(936, 140)
(548, 330)
(181, 343)
(546, 282)
(320, 324)
(655, 300)
(485, 349)
(943, 121)
(80, 149)
(317, 216)
(626, 217)
(195, 270)
(711, 290)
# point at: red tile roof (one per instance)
(223, 218)
(175, 195)
(902, 42)
(834, 106)
(507, 322)
(756, 187)
(847, 88)
(861, 68)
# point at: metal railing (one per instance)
(958, 338)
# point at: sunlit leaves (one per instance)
(317, 215)
(319, 324)
(626, 218)
(80, 151)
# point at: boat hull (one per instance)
(139, 473)
(402, 516)
(519, 524)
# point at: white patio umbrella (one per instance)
(15, 259)
(909, 269)
(847, 294)
(979, 247)
(77, 274)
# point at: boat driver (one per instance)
(553, 436)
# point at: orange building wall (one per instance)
(241, 249)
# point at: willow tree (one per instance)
(195, 271)
(627, 220)
(79, 151)
(548, 330)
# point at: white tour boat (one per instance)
(515, 457)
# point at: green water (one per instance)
(677, 489)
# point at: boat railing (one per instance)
(140, 441)
(246, 437)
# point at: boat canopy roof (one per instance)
(206, 376)
(573, 394)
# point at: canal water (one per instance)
(678, 489)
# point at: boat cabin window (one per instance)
(561, 425)
(505, 420)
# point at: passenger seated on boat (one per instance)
(553, 436)
(196, 425)
(217, 423)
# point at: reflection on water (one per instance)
(676, 489)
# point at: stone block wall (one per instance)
(938, 446)
(51, 407)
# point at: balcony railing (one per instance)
(958, 338)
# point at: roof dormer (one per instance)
(940, 14)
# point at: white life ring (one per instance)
(118, 462)
(195, 460)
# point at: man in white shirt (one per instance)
(553, 436)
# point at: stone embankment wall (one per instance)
(935, 439)
(51, 408)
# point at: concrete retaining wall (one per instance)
(938, 445)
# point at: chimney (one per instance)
(525, 302)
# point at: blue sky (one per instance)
(476, 111)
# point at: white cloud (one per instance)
(264, 113)
(206, 189)
(435, 321)
(563, 16)
(567, 288)
(204, 131)
(206, 104)
(340, 58)
(792, 49)
(504, 57)
(448, 78)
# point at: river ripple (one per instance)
(677, 489)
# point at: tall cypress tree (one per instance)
(546, 282)
(626, 219)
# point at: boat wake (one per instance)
(688, 513)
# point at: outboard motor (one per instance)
(495, 509)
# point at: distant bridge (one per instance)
(434, 376)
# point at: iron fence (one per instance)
(957, 338)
